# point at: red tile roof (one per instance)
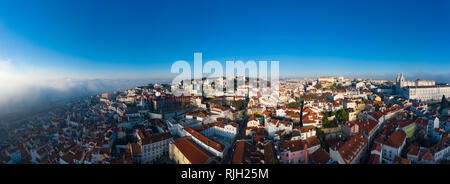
(193, 152)
(149, 139)
(427, 155)
(252, 118)
(400, 160)
(367, 126)
(241, 151)
(374, 159)
(233, 124)
(258, 138)
(297, 145)
(413, 150)
(350, 149)
(307, 129)
(396, 139)
(320, 156)
(269, 153)
(204, 139)
(406, 123)
(376, 147)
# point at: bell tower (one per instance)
(402, 80)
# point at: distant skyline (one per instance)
(141, 39)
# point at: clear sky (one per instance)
(88, 38)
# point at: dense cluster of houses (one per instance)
(324, 121)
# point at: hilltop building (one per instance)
(420, 90)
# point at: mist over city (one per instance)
(206, 91)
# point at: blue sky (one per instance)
(111, 39)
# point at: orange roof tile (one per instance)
(193, 152)
(352, 147)
(204, 139)
(269, 153)
(320, 156)
(241, 151)
(396, 139)
(413, 150)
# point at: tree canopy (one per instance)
(326, 123)
(342, 115)
(239, 104)
(337, 87)
(285, 137)
(293, 105)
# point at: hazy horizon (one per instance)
(52, 50)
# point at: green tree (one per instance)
(342, 115)
(321, 137)
(337, 87)
(239, 104)
(325, 122)
(285, 137)
(318, 86)
(293, 105)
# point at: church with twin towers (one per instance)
(401, 82)
(421, 90)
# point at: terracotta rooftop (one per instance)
(297, 145)
(258, 138)
(156, 138)
(367, 126)
(292, 145)
(320, 156)
(193, 152)
(222, 108)
(252, 118)
(376, 147)
(350, 149)
(241, 151)
(307, 129)
(396, 139)
(374, 159)
(406, 123)
(427, 155)
(400, 160)
(443, 144)
(204, 139)
(413, 150)
(269, 153)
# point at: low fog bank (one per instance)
(27, 90)
(44, 94)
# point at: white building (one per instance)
(307, 132)
(426, 93)
(393, 146)
(273, 125)
(220, 111)
(253, 122)
(155, 146)
(401, 82)
(420, 89)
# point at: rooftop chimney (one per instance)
(306, 153)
